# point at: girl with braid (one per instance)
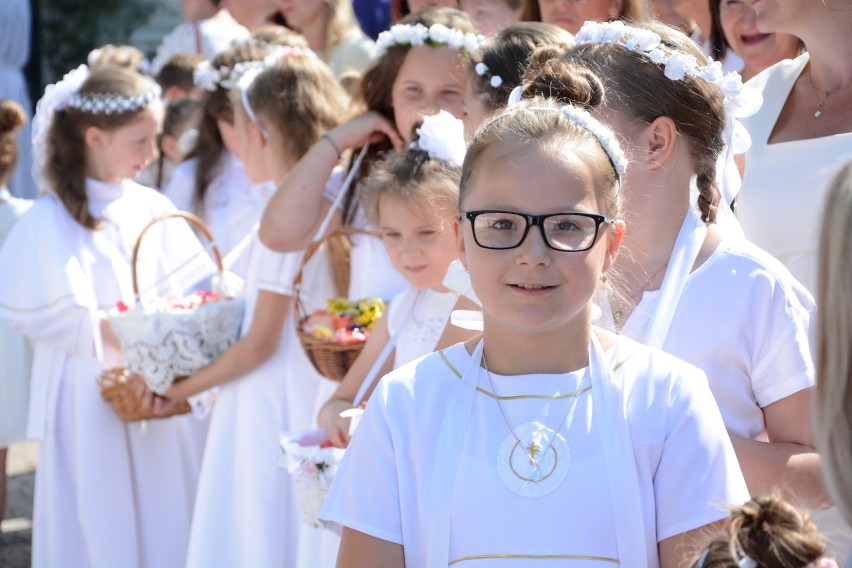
(689, 285)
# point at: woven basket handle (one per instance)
(194, 220)
(341, 274)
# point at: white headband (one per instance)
(441, 136)
(436, 35)
(243, 75)
(210, 79)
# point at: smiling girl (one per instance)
(546, 438)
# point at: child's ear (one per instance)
(657, 142)
(459, 234)
(95, 137)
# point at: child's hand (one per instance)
(150, 400)
(366, 128)
(337, 427)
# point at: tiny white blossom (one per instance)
(496, 81)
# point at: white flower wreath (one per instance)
(742, 100)
(211, 79)
(436, 35)
(442, 137)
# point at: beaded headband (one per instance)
(482, 70)
(112, 103)
(441, 136)
(436, 35)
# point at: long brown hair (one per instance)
(217, 106)
(300, 99)
(67, 156)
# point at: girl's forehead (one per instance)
(425, 63)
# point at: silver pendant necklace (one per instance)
(537, 454)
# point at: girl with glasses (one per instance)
(546, 437)
(689, 285)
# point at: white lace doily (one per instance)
(549, 470)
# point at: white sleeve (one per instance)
(181, 187)
(698, 473)
(782, 363)
(365, 494)
(276, 270)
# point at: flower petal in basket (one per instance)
(313, 469)
(161, 344)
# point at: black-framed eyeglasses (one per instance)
(566, 232)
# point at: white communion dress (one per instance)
(107, 493)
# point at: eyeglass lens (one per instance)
(564, 231)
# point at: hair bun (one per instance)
(12, 116)
(556, 78)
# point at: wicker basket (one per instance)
(116, 389)
(331, 359)
(161, 345)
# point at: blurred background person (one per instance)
(570, 14)
(734, 25)
(14, 52)
(492, 16)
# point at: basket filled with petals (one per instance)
(163, 339)
(312, 463)
(333, 337)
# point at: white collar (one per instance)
(98, 190)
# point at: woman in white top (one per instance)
(103, 487)
(802, 135)
(683, 269)
(547, 438)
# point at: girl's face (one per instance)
(250, 13)
(419, 240)
(300, 14)
(416, 5)
(759, 50)
(532, 288)
(430, 79)
(491, 16)
(123, 153)
(571, 14)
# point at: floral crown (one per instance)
(211, 79)
(441, 136)
(740, 99)
(482, 70)
(436, 35)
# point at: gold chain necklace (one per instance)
(533, 449)
(823, 97)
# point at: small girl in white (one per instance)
(547, 438)
(104, 489)
(410, 197)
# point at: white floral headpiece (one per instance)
(741, 99)
(482, 70)
(210, 79)
(436, 35)
(442, 137)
